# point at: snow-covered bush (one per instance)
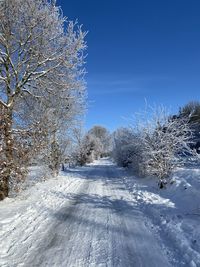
(155, 145)
(89, 150)
(94, 144)
(123, 146)
(166, 144)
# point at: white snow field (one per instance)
(100, 215)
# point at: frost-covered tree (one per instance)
(103, 136)
(123, 148)
(191, 112)
(41, 55)
(165, 141)
(165, 146)
(128, 149)
(155, 145)
(89, 149)
(93, 145)
(2, 145)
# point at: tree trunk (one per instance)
(55, 156)
(63, 167)
(8, 166)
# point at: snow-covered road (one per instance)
(84, 218)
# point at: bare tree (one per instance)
(165, 141)
(102, 134)
(89, 149)
(155, 145)
(38, 58)
(125, 147)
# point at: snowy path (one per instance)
(86, 219)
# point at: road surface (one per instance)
(98, 224)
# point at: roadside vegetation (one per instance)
(157, 143)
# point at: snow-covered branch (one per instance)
(41, 78)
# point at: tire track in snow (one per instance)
(98, 224)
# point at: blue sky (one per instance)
(138, 50)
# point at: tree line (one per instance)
(42, 88)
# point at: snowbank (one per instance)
(174, 211)
(31, 212)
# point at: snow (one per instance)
(174, 212)
(101, 215)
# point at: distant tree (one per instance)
(191, 112)
(104, 137)
(89, 149)
(94, 144)
(124, 147)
